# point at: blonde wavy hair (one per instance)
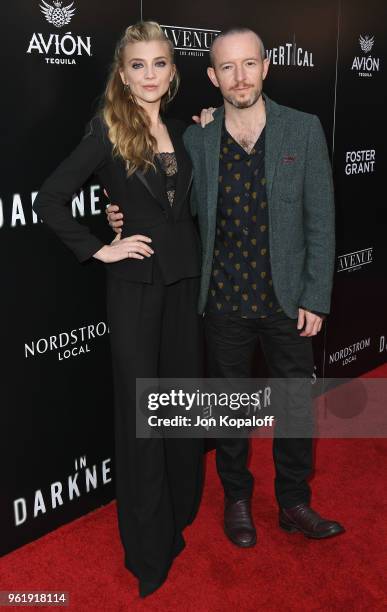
(128, 123)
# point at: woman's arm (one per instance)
(51, 203)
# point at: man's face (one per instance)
(239, 70)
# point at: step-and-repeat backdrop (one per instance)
(327, 57)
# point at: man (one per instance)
(263, 195)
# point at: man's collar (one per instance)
(270, 106)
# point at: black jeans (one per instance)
(231, 342)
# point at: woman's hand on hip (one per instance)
(132, 247)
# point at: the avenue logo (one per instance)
(366, 65)
(194, 42)
(56, 48)
(349, 262)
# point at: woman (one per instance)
(152, 286)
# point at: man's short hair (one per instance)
(236, 30)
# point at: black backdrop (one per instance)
(327, 57)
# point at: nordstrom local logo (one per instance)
(349, 353)
(67, 344)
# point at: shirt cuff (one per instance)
(319, 314)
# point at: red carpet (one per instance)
(283, 572)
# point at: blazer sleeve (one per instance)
(51, 202)
(319, 223)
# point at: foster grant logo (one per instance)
(361, 161)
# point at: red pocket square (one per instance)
(289, 159)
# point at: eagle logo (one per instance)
(57, 14)
(366, 43)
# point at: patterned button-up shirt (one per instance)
(241, 274)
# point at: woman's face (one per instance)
(148, 70)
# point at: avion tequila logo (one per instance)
(366, 65)
(57, 15)
(59, 48)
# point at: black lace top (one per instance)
(169, 165)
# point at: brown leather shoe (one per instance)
(238, 522)
(302, 518)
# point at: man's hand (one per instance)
(206, 116)
(311, 321)
(115, 218)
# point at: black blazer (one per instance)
(142, 198)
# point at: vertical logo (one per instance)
(290, 54)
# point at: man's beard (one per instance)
(254, 97)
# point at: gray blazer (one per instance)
(300, 203)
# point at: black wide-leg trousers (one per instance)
(154, 332)
(231, 342)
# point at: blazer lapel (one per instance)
(212, 136)
(184, 165)
(273, 142)
(154, 183)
